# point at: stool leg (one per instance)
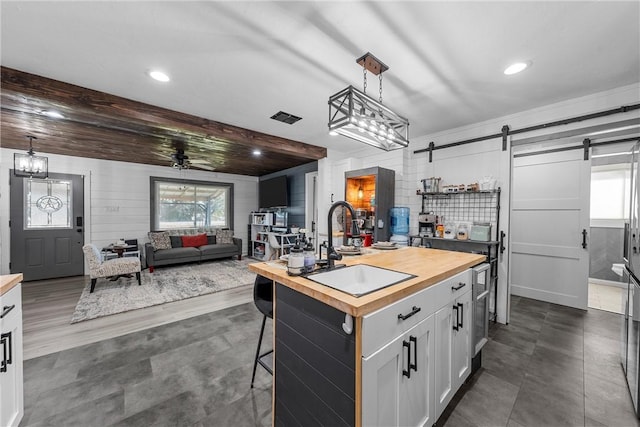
(255, 362)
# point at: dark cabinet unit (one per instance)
(371, 192)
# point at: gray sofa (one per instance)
(178, 254)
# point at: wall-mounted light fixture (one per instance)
(356, 115)
(29, 165)
(360, 192)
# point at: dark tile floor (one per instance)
(551, 366)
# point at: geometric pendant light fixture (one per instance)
(29, 165)
(356, 115)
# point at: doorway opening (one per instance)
(609, 212)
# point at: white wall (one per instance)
(117, 197)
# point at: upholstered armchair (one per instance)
(109, 268)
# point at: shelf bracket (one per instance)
(505, 134)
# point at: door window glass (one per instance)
(47, 203)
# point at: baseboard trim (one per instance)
(607, 283)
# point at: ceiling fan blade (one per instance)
(203, 166)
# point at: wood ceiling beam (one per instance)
(30, 93)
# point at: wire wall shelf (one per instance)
(476, 206)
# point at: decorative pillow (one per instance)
(176, 241)
(160, 240)
(211, 239)
(194, 241)
(224, 236)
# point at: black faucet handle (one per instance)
(333, 254)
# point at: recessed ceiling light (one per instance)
(257, 152)
(54, 114)
(159, 76)
(515, 68)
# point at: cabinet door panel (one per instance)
(381, 377)
(417, 404)
(390, 397)
(444, 389)
(462, 341)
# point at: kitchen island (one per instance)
(393, 356)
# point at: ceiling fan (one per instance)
(180, 160)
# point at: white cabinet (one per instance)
(416, 353)
(11, 397)
(453, 343)
(401, 373)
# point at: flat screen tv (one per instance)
(272, 193)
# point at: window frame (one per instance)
(621, 169)
(153, 221)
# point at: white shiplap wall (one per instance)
(117, 197)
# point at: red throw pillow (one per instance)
(194, 241)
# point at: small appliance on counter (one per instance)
(426, 224)
(480, 232)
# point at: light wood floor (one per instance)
(49, 304)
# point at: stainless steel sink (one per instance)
(361, 279)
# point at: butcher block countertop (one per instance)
(430, 266)
(8, 282)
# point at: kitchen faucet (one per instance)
(332, 255)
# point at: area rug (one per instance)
(166, 284)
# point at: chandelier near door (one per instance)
(29, 165)
(356, 115)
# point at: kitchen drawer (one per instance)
(382, 326)
(13, 298)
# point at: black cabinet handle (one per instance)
(461, 322)
(502, 236)
(455, 322)
(407, 372)
(460, 286)
(5, 340)
(414, 310)
(584, 239)
(6, 309)
(414, 365)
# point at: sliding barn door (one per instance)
(549, 249)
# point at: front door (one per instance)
(47, 226)
(549, 221)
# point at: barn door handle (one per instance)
(584, 239)
(502, 236)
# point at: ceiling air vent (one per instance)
(281, 116)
